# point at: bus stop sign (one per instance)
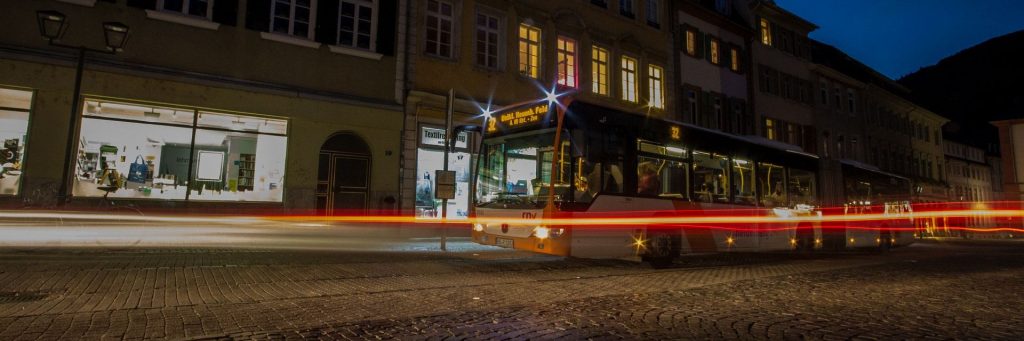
(444, 187)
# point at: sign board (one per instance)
(520, 117)
(444, 186)
(435, 137)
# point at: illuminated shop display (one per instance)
(14, 112)
(429, 159)
(177, 153)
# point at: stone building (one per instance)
(495, 54)
(226, 104)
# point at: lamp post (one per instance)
(52, 26)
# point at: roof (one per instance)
(777, 145)
(838, 60)
(774, 9)
(870, 168)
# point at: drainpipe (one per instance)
(405, 105)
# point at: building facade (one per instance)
(971, 178)
(281, 105)
(496, 54)
(929, 157)
(783, 92)
(1011, 144)
(713, 53)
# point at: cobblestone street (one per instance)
(960, 289)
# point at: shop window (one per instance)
(293, 17)
(599, 70)
(656, 86)
(566, 56)
(801, 186)
(743, 181)
(15, 106)
(356, 24)
(629, 79)
(199, 8)
(771, 181)
(529, 51)
(155, 152)
(710, 181)
(488, 29)
(439, 28)
(430, 159)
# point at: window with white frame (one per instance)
(599, 70)
(629, 79)
(566, 58)
(199, 8)
(656, 86)
(488, 29)
(356, 26)
(293, 17)
(529, 51)
(652, 13)
(440, 17)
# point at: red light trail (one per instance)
(741, 220)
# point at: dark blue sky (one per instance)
(896, 37)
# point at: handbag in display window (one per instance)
(137, 171)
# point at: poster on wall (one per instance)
(210, 166)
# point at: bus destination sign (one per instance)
(519, 117)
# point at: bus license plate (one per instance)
(503, 242)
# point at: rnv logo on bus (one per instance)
(529, 215)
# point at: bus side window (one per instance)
(801, 187)
(743, 181)
(771, 181)
(709, 177)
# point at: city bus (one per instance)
(870, 191)
(572, 159)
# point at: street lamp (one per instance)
(52, 26)
(116, 35)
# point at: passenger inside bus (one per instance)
(649, 180)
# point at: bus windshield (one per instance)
(515, 171)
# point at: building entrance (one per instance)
(343, 181)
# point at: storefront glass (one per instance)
(429, 159)
(14, 112)
(140, 151)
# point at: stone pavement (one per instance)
(930, 290)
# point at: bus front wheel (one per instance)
(662, 249)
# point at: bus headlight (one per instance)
(478, 227)
(541, 232)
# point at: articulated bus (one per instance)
(582, 160)
(868, 190)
